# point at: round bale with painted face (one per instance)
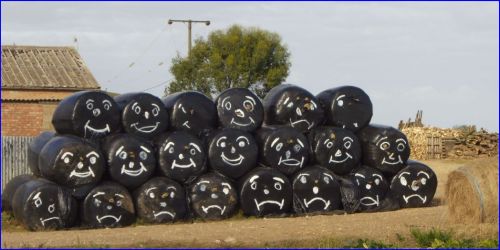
(11, 188)
(131, 159)
(213, 197)
(232, 152)
(35, 148)
(265, 191)
(384, 148)
(142, 114)
(239, 108)
(88, 114)
(108, 205)
(371, 187)
(160, 200)
(346, 107)
(293, 106)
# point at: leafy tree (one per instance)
(237, 57)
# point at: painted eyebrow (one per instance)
(98, 193)
(146, 149)
(201, 182)
(154, 104)
(300, 175)
(403, 174)
(195, 146)
(226, 184)
(328, 175)
(251, 99)
(326, 141)
(254, 178)
(422, 172)
(37, 196)
(401, 139)
(92, 153)
(314, 104)
(348, 138)
(67, 153)
(286, 100)
(301, 144)
(108, 102)
(119, 195)
(279, 179)
(244, 138)
(381, 139)
(377, 175)
(149, 189)
(119, 150)
(274, 142)
(225, 98)
(168, 146)
(171, 187)
(89, 100)
(340, 96)
(133, 105)
(359, 175)
(218, 140)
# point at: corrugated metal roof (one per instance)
(33, 67)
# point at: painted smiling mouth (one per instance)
(280, 204)
(243, 124)
(96, 130)
(400, 161)
(407, 198)
(309, 125)
(82, 174)
(221, 209)
(117, 219)
(348, 156)
(371, 201)
(145, 129)
(49, 219)
(191, 164)
(327, 203)
(232, 162)
(134, 172)
(171, 214)
(291, 162)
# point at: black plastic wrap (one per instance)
(35, 148)
(372, 187)
(11, 188)
(239, 108)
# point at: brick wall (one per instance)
(26, 118)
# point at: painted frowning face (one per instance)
(45, 205)
(288, 151)
(108, 206)
(239, 108)
(213, 197)
(415, 185)
(302, 111)
(371, 185)
(315, 189)
(192, 112)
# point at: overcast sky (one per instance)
(438, 57)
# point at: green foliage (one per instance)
(425, 239)
(444, 239)
(237, 57)
(366, 243)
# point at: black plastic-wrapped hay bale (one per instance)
(40, 204)
(108, 205)
(213, 197)
(160, 200)
(414, 185)
(372, 187)
(239, 108)
(232, 152)
(384, 148)
(72, 162)
(265, 191)
(35, 148)
(181, 156)
(315, 189)
(191, 111)
(142, 114)
(131, 159)
(335, 148)
(283, 148)
(11, 188)
(88, 114)
(293, 106)
(347, 107)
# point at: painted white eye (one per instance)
(203, 187)
(107, 106)
(423, 181)
(248, 105)
(368, 186)
(223, 144)
(227, 105)
(93, 160)
(377, 182)
(90, 106)
(137, 109)
(329, 144)
(66, 160)
(119, 203)
(297, 147)
(290, 105)
(401, 147)
(303, 180)
(385, 145)
(277, 185)
(97, 203)
(403, 181)
(171, 150)
(143, 155)
(253, 185)
(151, 195)
(279, 146)
(225, 190)
(347, 144)
(172, 195)
(51, 208)
(123, 155)
(242, 144)
(155, 111)
(192, 151)
(326, 179)
(38, 202)
(340, 103)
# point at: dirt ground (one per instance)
(383, 226)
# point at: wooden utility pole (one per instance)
(189, 22)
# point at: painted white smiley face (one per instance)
(339, 155)
(183, 159)
(145, 116)
(96, 111)
(392, 150)
(81, 165)
(242, 113)
(133, 159)
(230, 149)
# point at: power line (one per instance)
(158, 85)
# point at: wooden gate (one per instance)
(14, 157)
(434, 147)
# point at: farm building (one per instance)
(34, 80)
